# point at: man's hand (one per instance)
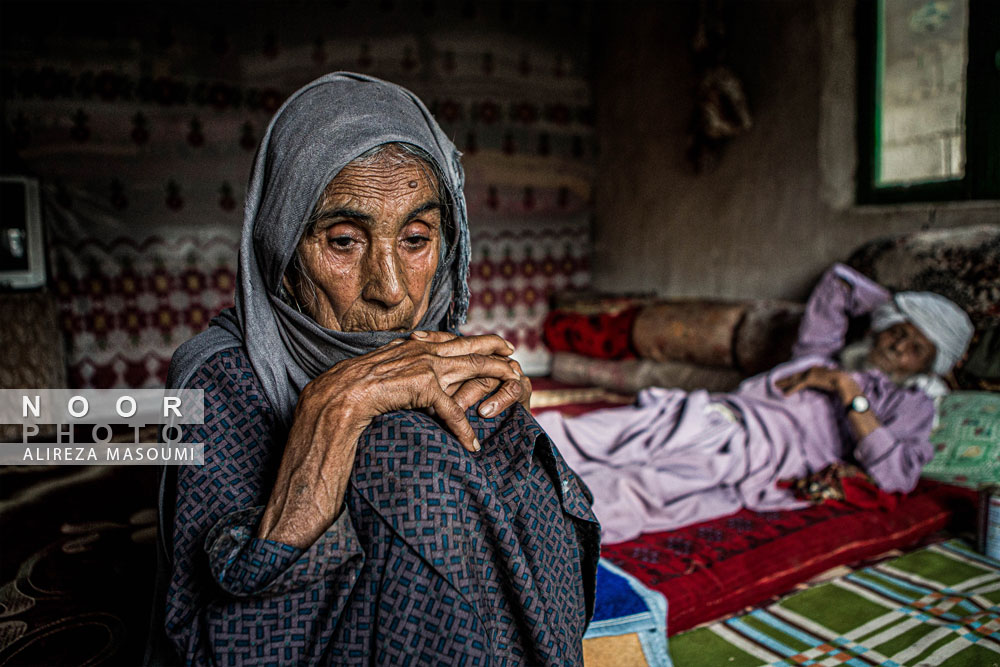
(830, 380)
(840, 384)
(824, 484)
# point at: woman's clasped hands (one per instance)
(431, 370)
(434, 370)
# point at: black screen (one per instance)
(13, 227)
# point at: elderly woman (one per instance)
(676, 458)
(352, 508)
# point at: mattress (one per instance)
(714, 568)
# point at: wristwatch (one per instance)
(859, 404)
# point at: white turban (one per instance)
(940, 319)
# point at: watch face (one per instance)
(860, 404)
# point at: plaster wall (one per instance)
(778, 207)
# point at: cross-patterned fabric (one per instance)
(144, 142)
(441, 557)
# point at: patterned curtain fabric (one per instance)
(143, 130)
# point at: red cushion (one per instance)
(717, 567)
(601, 336)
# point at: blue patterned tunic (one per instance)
(441, 557)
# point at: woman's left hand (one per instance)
(472, 391)
(830, 380)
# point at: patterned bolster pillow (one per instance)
(749, 336)
(699, 332)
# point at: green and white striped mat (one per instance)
(939, 605)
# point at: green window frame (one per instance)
(981, 179)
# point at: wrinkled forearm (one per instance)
(312, 479)
(225, 581)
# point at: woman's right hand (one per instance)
(334, 409)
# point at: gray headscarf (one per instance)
(316, 133)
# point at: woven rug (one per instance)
(629, 626)
(711, 569)
(939, 605)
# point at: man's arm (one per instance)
(842, 293)
(892, 447)
(896, 452)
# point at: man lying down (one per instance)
(676, 458)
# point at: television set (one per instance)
(22, 254)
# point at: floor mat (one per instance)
(626, 613)
(939, 605)
(717, 567)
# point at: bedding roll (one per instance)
(631, 375)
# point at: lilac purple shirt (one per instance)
(678, 457)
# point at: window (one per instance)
(929, 100)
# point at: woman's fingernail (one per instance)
(509, 344)
(487, 409)
(475, 445)
(419, 334)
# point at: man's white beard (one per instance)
(854, 358)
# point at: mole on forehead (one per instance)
(367, 188)
(412, 176)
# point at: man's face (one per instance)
(374, 249)
(902, 350)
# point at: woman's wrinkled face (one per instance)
(902, 350)
(374, 248)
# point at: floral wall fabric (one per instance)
(143, 130)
